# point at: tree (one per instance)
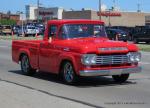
(7, 22)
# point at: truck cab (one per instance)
(73, 48)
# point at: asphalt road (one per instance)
(99, 92)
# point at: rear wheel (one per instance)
(68, 73)
(121, 78)
(26, 67)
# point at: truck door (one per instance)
(47, 53)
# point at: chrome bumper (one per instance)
(110, 72)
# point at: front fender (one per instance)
(74, 58)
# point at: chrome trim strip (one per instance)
(110, 72)
(114, 49)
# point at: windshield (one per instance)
(83, 31)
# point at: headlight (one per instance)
(138, 57)
(88, 59)
(134, 57)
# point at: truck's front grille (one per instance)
(111, 59)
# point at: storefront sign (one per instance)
(109, 13)
(45, 13)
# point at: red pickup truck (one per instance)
(73, 48)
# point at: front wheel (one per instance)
(26, 67)
(68, 73)
(121, 78)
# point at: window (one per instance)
(52, 31)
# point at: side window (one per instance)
(62, 33)
(52, 31)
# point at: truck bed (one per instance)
(29, 47)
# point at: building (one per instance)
(10, 16)
(30, 12)
(43, 14)
(49, 13)
(111, 18)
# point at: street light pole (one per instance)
(21, 18)
(110, 17)
(21, 13)
(100, 5)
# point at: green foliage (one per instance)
(7, 22)
(144, 47)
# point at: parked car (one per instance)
(142, 36)
(0, 29)
(40, 28)
(28, 30)
(20, 31)
(117, 34)
(72, 48)
(15, 29)
(6, 29)
(128, 30)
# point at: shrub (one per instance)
(7, 22)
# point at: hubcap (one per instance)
(25, 64)
(68, 72)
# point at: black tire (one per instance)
(68, 73)
(125, 40)
(26, 35)
(26, 67)
(121, 78)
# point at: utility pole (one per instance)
(38, 5)
(114, 3)
(100, 9)
(139, 7)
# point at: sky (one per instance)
(124, 5)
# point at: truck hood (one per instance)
(98, 46)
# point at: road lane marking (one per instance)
(1, 46)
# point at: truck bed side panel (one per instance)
(31, 48)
